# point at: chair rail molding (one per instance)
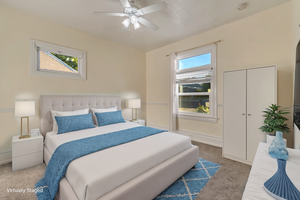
(3, 110)
(163, 104)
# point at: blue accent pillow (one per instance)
(107, 118)
(74, 123)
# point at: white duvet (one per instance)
(98, 173)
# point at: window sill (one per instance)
(58, 74)
(197, 118)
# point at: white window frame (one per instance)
(212, 116)
(36, 46)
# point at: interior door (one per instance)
(234, 104)
(261, 92)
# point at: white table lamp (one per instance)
(134, 104)
(24, 109)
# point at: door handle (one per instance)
(243, 114)
(249, 114)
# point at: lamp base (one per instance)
(134, 117)
(24, 136)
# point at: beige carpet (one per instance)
(227, 183)
(22, 179)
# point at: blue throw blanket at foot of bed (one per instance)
(67, 152)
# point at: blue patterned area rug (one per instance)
(191, 183)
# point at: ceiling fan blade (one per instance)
(110, 14)
(125, 3)
(148, 24)
(154, 8)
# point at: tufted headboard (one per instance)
(71, 103)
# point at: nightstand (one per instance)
(27, 152)
(138, 121)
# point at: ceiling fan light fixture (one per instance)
(136, 25)
(133, 14)
(133, 19)
(126, 22)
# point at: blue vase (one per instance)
(280, 186)
(277, 148)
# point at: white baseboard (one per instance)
(237, 159)
(5, 157)
(203, 138)
(196, 136)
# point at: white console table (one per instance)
(264, 167)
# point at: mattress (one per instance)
(96, 174)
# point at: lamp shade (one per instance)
(133, 103)
(24, 108)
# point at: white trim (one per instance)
(237, 159)
(195, 136)
(213, 112)
(34, 65)
(202, 137)
(164, 104)
(3, 110)
(5, 157)
(197, 117)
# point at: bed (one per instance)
(138, 170)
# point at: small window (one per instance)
(57, 61)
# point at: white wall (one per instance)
(111, 69)
(259, 40)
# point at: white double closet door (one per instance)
(246, 94)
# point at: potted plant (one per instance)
(274, 121)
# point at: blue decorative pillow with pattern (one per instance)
(74, 123)
(107, 118)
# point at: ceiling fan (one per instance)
(133, 14)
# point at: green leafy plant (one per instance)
(71, 61)
(274, 120)
(202, 109)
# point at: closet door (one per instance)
(234, 104)
(261, 92)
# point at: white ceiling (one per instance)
(182, 19)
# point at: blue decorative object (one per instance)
(191, 183)
(280, 186)
(277, 148)
(67, 152)
(108, 118)
(74, 123)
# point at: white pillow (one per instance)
(101, 110)
(66, 113)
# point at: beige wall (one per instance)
(259, 40)
(263, 39)
(295, 24)
(111, 68)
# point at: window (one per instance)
(195, 89)
(57, 61)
